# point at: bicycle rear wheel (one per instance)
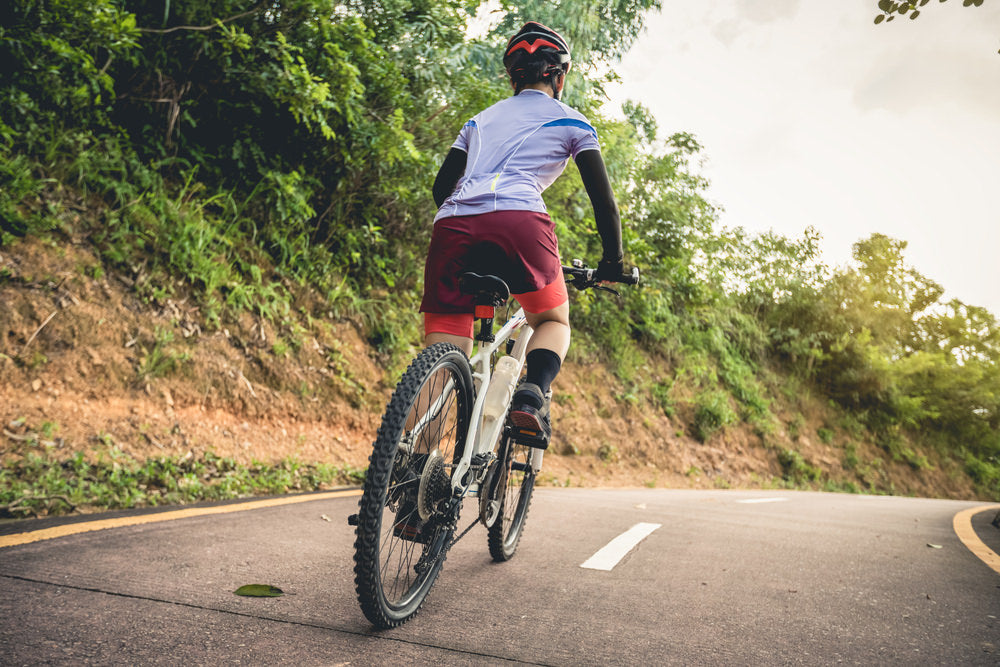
(407, 515)
(515, 492)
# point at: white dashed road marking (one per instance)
(618, 548)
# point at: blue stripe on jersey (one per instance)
(572, 122)
(471, 123)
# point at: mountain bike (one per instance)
(443, 439)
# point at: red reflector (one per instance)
(484, 312)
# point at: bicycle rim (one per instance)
(505, 533)
(404, 521)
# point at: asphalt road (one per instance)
(786, 579)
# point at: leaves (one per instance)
(259, 591)
(890, 8)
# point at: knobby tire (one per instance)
(505, 533)
(394, 571)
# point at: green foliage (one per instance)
(607, 453)
(891, 8)
(986, 474)
(851, 460)
(877, 338)
(712, 412)
(160, 359)
(41, 482)
(661, 395)
(795, 469)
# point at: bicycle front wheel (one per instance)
(407, 516)
(515, 495)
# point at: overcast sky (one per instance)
(811, 115)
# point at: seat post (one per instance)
(489, 293)
(485, 314)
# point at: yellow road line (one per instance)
(963, 528)
(104, 524)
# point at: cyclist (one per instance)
(491, 217)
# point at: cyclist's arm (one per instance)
(602, 198)
(447, 177)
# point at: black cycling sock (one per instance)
(542, 367)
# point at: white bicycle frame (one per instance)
(484, 433)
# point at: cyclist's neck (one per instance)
(540, 87)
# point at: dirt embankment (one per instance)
(87, 364)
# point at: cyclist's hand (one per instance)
(609, 270)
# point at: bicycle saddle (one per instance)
(487, 290)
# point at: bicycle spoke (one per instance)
(515, 500)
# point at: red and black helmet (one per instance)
(534, 38)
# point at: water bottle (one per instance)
(501, 387)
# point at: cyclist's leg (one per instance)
(529, 407)
(461, 342)
(454, 328)
(551, 330)
(547, 312)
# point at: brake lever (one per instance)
(607, 289)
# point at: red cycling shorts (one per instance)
(518, 246)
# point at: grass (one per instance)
(608, 453)
(40, 483)
(160, 359)
(796, 469)
(712, 412)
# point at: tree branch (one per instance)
(204, 27)
(37, 331)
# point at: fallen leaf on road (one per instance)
(934, 546)
(326, 518)
(259, 591)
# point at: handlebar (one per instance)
(582, 277)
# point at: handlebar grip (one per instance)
(584, 278)
(630, 278)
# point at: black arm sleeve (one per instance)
(447, 177)
(602, 198)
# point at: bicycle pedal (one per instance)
(529, 438)
(410, 533)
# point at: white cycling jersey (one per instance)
(516, 148)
